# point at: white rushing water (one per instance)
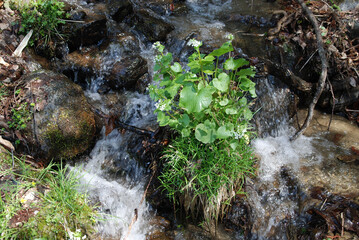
(274, 196)
(120, 198)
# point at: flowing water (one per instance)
(116, 180)
(119, 191)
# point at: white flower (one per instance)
(158, 58)
(194, 43)
(160, 105)
(237, 135)
(157, 45)
(230, 36)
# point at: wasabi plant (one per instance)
(208, 105)
(212, 101)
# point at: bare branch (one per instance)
(324, 66)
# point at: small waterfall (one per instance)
(275, 195)
(115, 180)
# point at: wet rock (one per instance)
(165, 7)
(63, 125)
(119, 9)
(121, 35)
(237, 217)
(87, 59)
(335, 176)
(86, 33)
(143, 82)
(117, 63)
(160, 229)
(151, 25)
(126, 72)
(346, 92)
(348, 131)
(107, 106)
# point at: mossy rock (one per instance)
(63, 125)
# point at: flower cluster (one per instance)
(230, 36)
(160, 105)
(194, 43)
(158, 46)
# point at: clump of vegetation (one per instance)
(21, 115)
(42, 203)
(208, 106)
(43, 17)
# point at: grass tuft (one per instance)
(204, 178)
(42, 203)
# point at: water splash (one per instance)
(115, 180)
(275, 194)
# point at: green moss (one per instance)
(62, 144)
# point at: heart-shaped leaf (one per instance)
(176, 67)
(206, 132)
(225, 131)
(234, 64)
(222, 82)
(193, 101)
(224, 102)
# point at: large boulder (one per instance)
(112, 62)
(86, 33)
(119, 9)
(63, 125)
(126, 72)
(151, 25)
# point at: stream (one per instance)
(116, 180)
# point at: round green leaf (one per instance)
(230, 64)
(224, 102)
(184, 120)
(222, 82)
(186, 132)
(176, 67)
(206, 132)
(225, 131)
(193, 101)
(231, 111)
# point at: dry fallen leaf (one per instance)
(6, 144)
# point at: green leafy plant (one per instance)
(208, 105)
(21, 115)
(44, 17)
(212, 101)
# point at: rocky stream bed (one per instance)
(91, 106)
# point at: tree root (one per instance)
(323, 75)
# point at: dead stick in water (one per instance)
(323, 74)
(134, 219)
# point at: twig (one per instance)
(350, 110)
(351, 48)
(71, 21)
(355, 71)
(331, 115)
(342, 216)
(323, 74)
(305, 64)
(134, 219)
